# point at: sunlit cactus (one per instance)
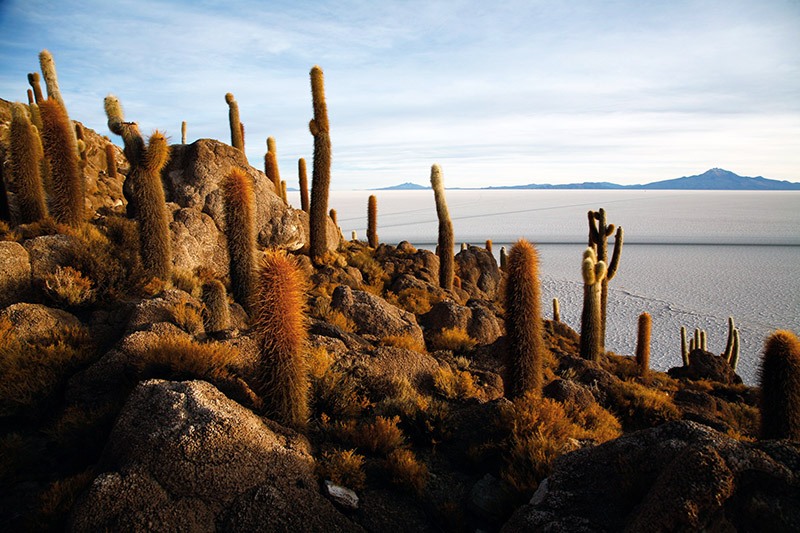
(333, 217)
(237, 134)
(183, 132)
(33, 80)
(60, 148)
(111, 161)
(372, 221)
(36, 117)
(556, 310)
(524, 326)
(145, 190)
(237, 194)
(489, 245)
(684, 347)
(503, 258)
(321, 177)
(446, 238)
(599, 232)
(779, 384)
(303, 179)
(593, 272)
(643, 345)
(284, 197)
(217, 316)
(272, 172)
(280, 329)
(24, 163)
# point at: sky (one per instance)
(497, 93)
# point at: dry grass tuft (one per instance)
(417, 301)
(343, 467)
(406, 341)
(640, 407)
(381, 436)
(454, 339)
(406, 471)
(69, 288)
(454, 384)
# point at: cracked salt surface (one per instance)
(690, 258)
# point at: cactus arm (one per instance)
(612, 267)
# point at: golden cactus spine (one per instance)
(282, 373)
(217, 315)
(779, 385)
(60, 148)
(24, 164)
(643, 345)
(593, 272)
(272, 172)
(372, 221)
(321, 174)
(599, 232)
(237, 134)
(145, 191)
(237, 194)
(523, 320)
(446, 238)
(302, 176)
(489, 245)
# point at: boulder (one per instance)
(565, 390)
(680, 476)
(36, 323)
(475, 318)
(375, 316)
(174, 306)
(15, 276)
(479, 273)
(706, 365)
(183, 457)
(49, 252)
(384, 364)
(197, 242)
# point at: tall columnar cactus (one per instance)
(25, 162)
(643, 345)
(372, 221)
(111, 161)
(48, 66)
(272, 172)
(593, 271)
(217, 315)
(779, 384)
(446, 238)
(489, 245)
(79, 134)
(237, 194)
(599, 232)
(183, 132)
(321, 176)
(503, 258)
(523, 321)
(333, 217)
(284, 196)
(303, 179)
(36, 117)
(556, 311)
(734, 359)
(145, 191)
(684, 347)
(280, 329)
(237, 135)
(5, 212)
(60, 148)
(272, 146)
(33, 80)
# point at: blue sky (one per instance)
(513, 93)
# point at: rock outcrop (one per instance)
(475, 318)
(706, 365)
(479, 273)
(183, 457)
(680, 476)
(36, 323)
(15, 276)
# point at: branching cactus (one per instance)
(372, 221)
(779, 384)
(599, 232)
(732, 346)
(237, 134)
(36, 118)
(237, 194)
(523, 319)
(60, 148)
(217, 316)
(593, 271)
(280, 329)
(446, 238)
(303, 179)
(145, 191)
(25, 162)
(321, 177)
(643, 345)
(33, 80)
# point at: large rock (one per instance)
(36, 323)
(48, 252)
(680, 476)
(479, 273)
(183, 457)
(197, 242)
(15, 276)
(375, 316)
(475, 318)
(706, 366)
(173, 306)
(192, 177)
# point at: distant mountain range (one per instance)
(715, 179)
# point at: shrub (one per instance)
(67, 287)
(186, 316)
(56, 502)
(179, 355)
(454, 385)
(337, 395)
(417, 301)
(453, 339)
(381, 436)
(405, 341)
(406, 471)
(639, 407)
(343, 467)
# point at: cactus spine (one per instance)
(523, 321)
(24, 164)
(237, 193)
(556, 311)
(237, 134)
(372, 221)
(593, 271)
(217, 313)
(643, 345)
(60, 148)
(303, 179)
(599, 232)
(779, 384)
(321, 176)
(282, 374)
(446, 238)
(146, 193)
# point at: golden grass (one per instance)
(68, 287)
(57, 500)
(380, 437)
(406, 471)
(187, 317)
(405, 341)
(343, 467)
(187, 281)
(417, 301)
(454, 384)
(640, 407)
(453, 339)
(182, 356)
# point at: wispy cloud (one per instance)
(512, 93)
